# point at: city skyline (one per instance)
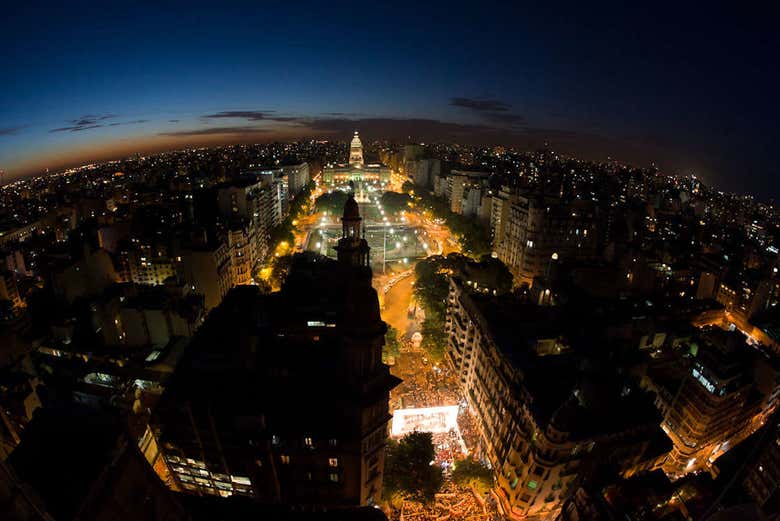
(689, 91)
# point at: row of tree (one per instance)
(395, 202)
(331, 202)
(432, 285)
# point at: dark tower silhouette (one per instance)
(352, 248)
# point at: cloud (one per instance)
(9, 131)
(480, 105)
(215, 131)
(135, 122)
(416, 129)
(86, 122)
(340, 114)
(173, 121)
(492, 110)
(89, 122)
(252, 115)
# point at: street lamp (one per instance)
(384, 251)
(553, 257)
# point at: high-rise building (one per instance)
(544, 415)
(8, 288)
(762, 476)
(255, 204)
(242, 254)
(150, 264)
(293, 175)
(727, 393)
(464, 191)
(536, 229)
(284, 397)
(75, 463)
(207, 268)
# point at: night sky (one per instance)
(693, 89)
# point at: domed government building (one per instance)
(356, 170)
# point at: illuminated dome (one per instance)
(356, 152)
(356, 143)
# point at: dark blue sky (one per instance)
(692, 88)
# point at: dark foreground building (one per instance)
(77, 463)
(284, 397)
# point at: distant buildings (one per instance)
(87, 276)
(464, 190)
(294, 175)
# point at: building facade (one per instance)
(534, 228)
(727, 393)
(540, 425)
(284, 397)
(356, 169)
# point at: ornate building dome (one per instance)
(356, 152)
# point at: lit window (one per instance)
(308, 442)
(333, 462)
(333, 476)
(241, 480)
(285, 459)
(333, 442)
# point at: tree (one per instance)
(280, 267)
(409, 469)
(472, 234)
(434, 340)
(431, 287)
(470, 472)
(392, 347)
(394, 202)
(332, 202)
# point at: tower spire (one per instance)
(352, 248)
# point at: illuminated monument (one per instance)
(356, 152)
(356, 170)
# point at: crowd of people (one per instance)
(426, 384)
(451, 503)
